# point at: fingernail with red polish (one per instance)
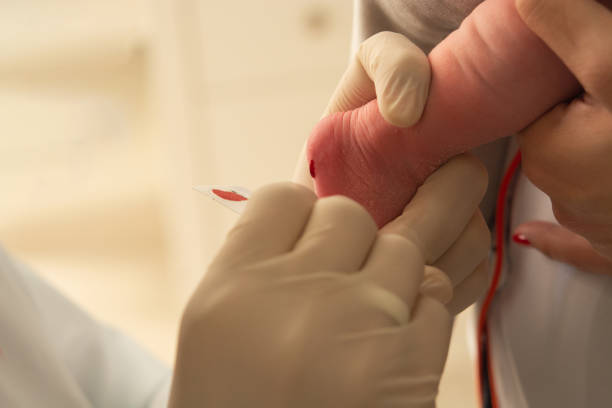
(521, 239)
(312, 169)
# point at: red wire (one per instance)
(483, 330)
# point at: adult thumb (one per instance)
(579, 32)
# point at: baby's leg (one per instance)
(490, 78)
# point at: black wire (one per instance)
(485, 386)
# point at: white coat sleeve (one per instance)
(53, 354)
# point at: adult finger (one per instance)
(462, 258)
(442, 207)
(561, 244)
(396, 265)
(425, 345)
(270, 226)
(337, 237)
(420, 346)
(580, 33)
(387, 66)
(437, 284)
(470, 289)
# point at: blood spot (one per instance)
(312, 168)
(229, 195)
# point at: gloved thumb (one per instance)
(563, 245)
(387, 66)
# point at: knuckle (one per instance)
(412, 58)
(286, 192)
(438, 316)
(438, 275)
(408, 67)
(533, 11)
(210, 300)
(403, 226)
(402, 247)
(385, 37)
(407, 56)
(438, 284)
(395, 52)
(346, 209)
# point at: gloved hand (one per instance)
(389, 67)
(308, 305)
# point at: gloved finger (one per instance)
(424, 353)
(561, 244)
(396, 265)
(470, 289)
(431, 318)
(442, 206)
(390, 67)
(387, 66)
(337, 237)
(436, 284)
(418, 347)
(468, 251)
(579, 33)
(270, 226)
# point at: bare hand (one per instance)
(568, 152)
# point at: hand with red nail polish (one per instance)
(561, 244)
(521, 239)
(567, 153)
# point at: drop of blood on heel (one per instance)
(312, 169)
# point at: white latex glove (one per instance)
(308, 305)
(388, 66)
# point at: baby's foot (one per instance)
(490, 78)
(360, 155)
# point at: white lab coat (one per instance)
(550, 324)
(52, 354)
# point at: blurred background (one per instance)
(111, 111)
